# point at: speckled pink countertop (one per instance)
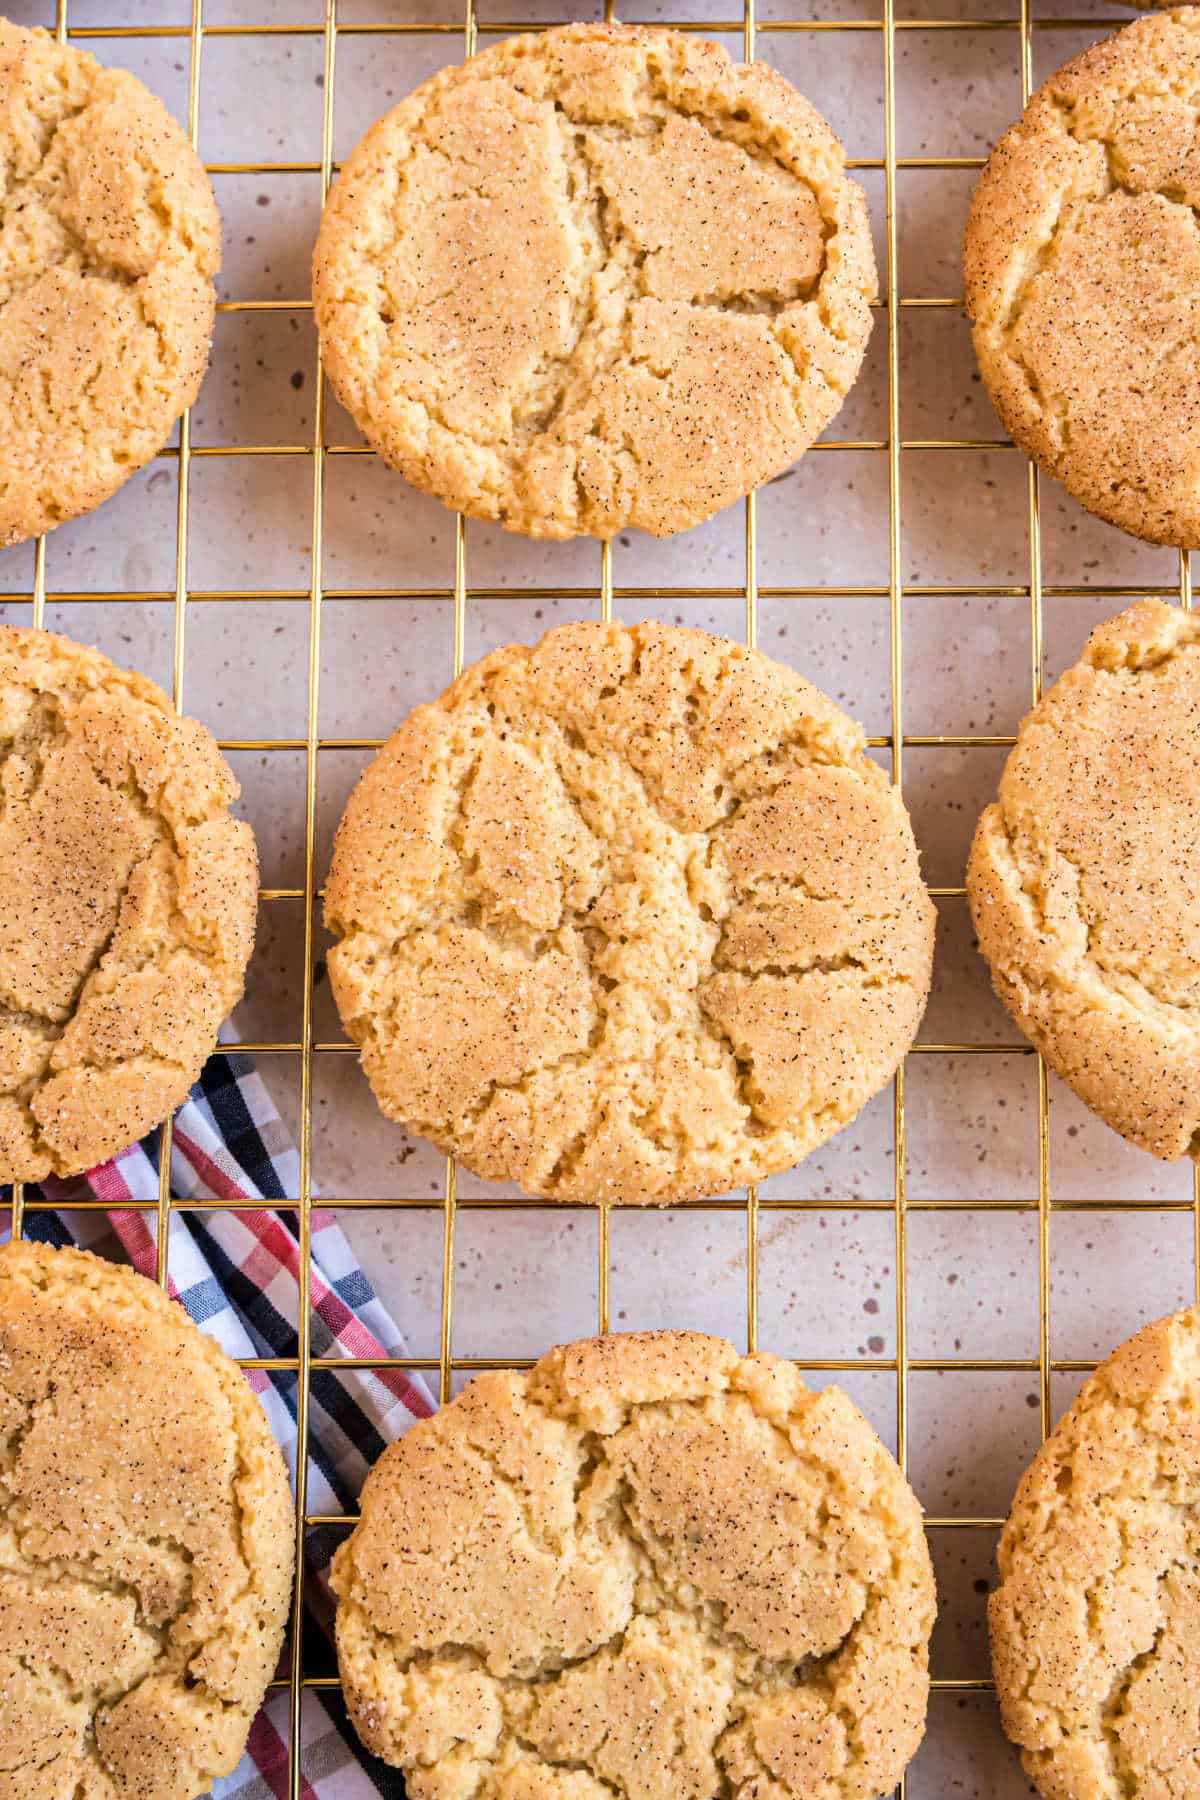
(827, 1286)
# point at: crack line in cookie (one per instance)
(601, 929)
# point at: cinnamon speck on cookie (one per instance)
(146, 1529)
(596, 277)
(630, 915)
(1082, 269)
(128, 896)
(109, 240)
(647, 1566)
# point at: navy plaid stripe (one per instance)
(47, 1228)
(354, 1289)
(204, 1300)
(338, 1405)
(219, 1084)
(272, 1334)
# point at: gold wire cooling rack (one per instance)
(460, 37)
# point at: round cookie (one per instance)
(109, 239)
(127, 905)
(596, 277)
(1094, 1634)
(647, 1566)
(628, 916)
(1084, 878)
(146, 1526)
(1082, 267)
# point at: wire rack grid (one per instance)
(193, 36)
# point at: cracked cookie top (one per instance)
(596, 277)
(127, 904)
(145, 1539)
(1082, 266)
(627, 916)
(1084, 878)
(648, 1567)
(1093, 1625)
(109, 240)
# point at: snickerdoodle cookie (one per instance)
(109, 240)
(627, 916)
(1095, 1626)
(127, 904)
(1082, 264)
(647, 1566)
(1084, 878)
(146, 1537)
(596, 277)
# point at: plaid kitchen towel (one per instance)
(237, 1273)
